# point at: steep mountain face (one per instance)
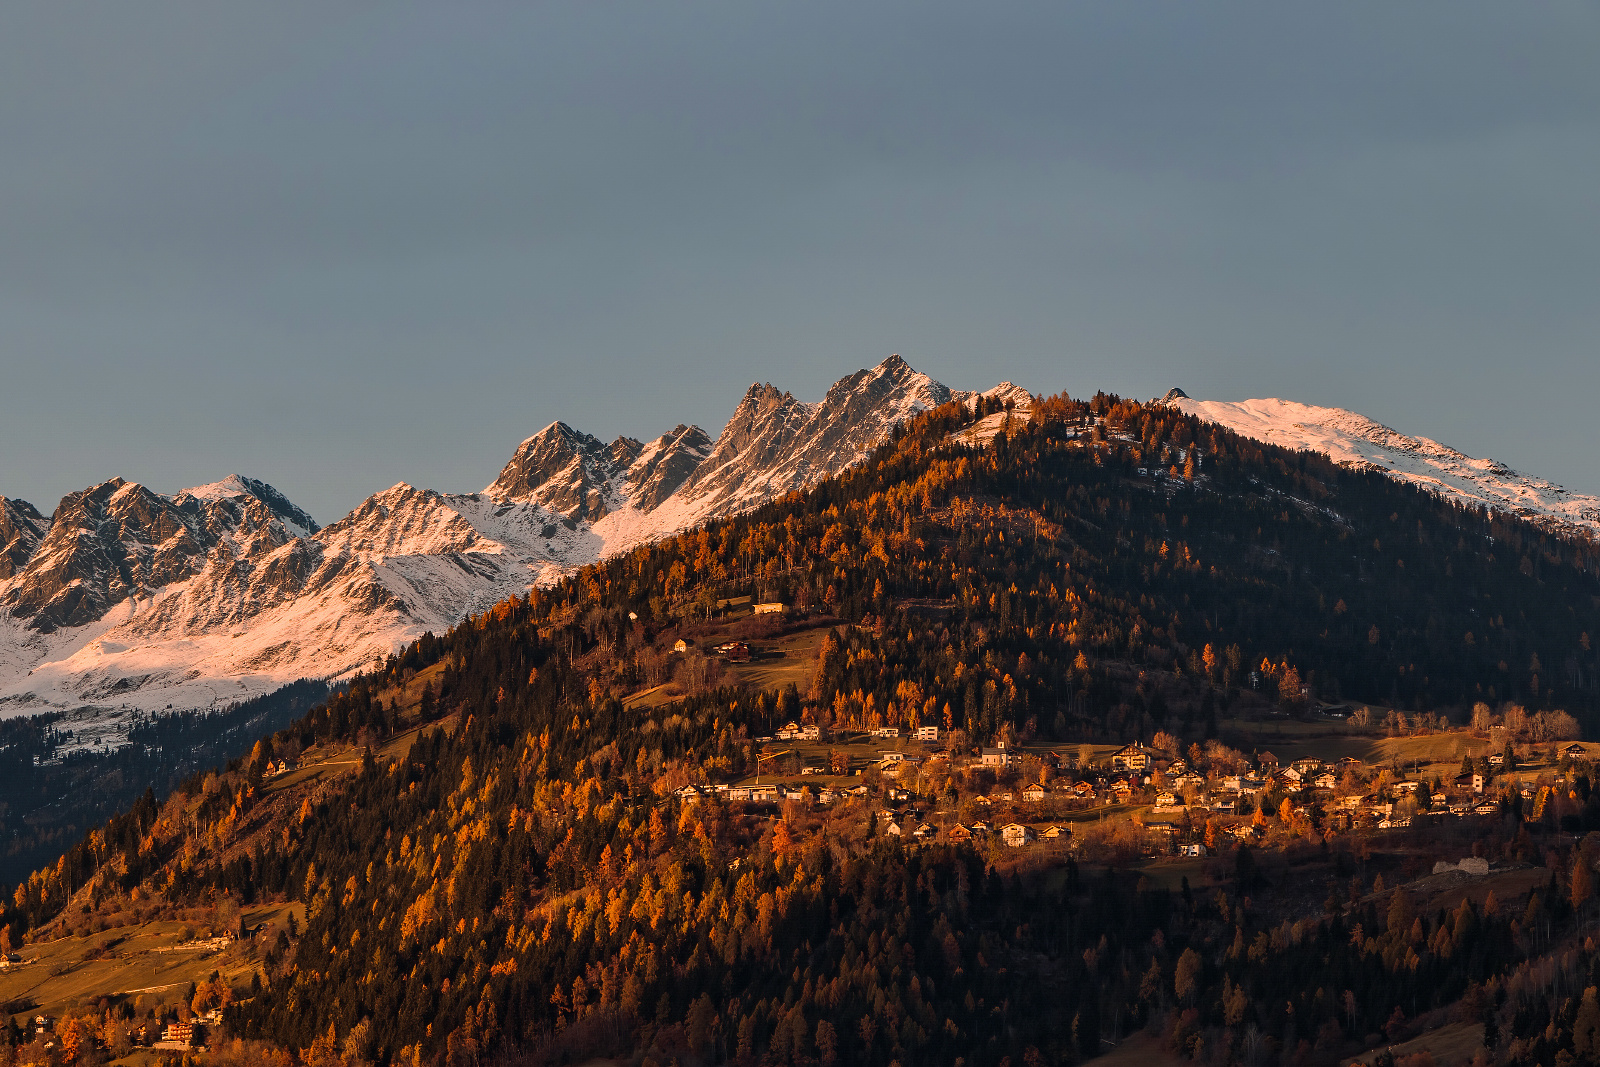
(119, 539)
(129, 600)
(775, 443)
(21, 530)
(1353, 440)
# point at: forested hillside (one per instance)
(523, 877)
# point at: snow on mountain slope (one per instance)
(1357, 441)
(129, 600)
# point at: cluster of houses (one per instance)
(1165, 795)
(277, 767)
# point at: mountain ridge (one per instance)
(132, 600)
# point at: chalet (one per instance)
(1178, 766)
(1307, 765)
(982, 798)
(959, 833)
(770, 607)
(1575, 751)
(1473, 780)
(789, 731)
(1395, 822)
(764, 794)
(1056, 833)
(1016, 835)
(891, 827)
(1244, 832)
(1123, 792)
(1034, 793)
(736, 652)
(1224, 807)
(998, 756)
(183, 1033)
(928, 734)
(1349, 763)
(980, 827)
(682, 644)
(1326, 780)
(923, 832)
(1497, 760)
(827, 796)
(739, 792)
(1488, 807)
(1289, 778)
(1134, 757)
(1188, 781)
(689, 794)
(899, 795)
(885, 731)
(1192, 850)
(1084, 790)
(1407, 788)
(795, 792)
(1267, 762)
(1166, 800)
(1161, 827)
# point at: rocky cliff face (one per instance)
(128, 599)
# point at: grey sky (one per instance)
(335, 246)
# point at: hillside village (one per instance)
(925, 788)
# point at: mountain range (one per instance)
(126, 600)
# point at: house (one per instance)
(1307, 765)
(980, 827)
(739, 792)
(1188, 781)
(682, 644)
(923, 832)
(1132, 757)
(789, 731)
(1192, 850)
(736, 652)
(1123, 792)
(891, 827)
(959, 833)
(770, 607)
(885, 731)
(1290, 778)
(1405, 788)
(1034, 793)
(1473, 780)
(1349, 763)
(1575, 751)
(183, 1033)
(998, 756)
(1056, 833)
(689, 794)
(1161, 827)
(1325, 780)
(1166, 800)
(1267, 762)
(1016, 835)
(1488, 807)
(928, 734)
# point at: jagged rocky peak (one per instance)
(21, 530)
(105, 543)
(775, 443)
(662, 466)
(236, 487)
(563, 469)
(1174, 394)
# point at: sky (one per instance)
(336, 247)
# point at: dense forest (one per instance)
(523, 880)
(53, 789)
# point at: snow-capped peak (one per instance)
(1354, 440)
